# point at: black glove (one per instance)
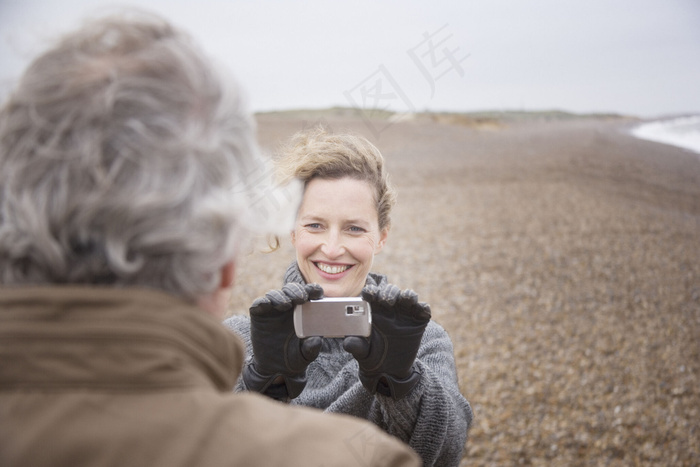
(386, 358)
(277, 351)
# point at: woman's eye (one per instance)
(356, 229)
(313, 226)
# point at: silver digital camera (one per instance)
(333, 317)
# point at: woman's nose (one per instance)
(333, 246)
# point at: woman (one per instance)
(402, 377)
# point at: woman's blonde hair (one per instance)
(317, 153)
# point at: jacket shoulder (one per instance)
(294, 435)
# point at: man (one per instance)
(127, 174)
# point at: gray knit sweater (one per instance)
(433, 418)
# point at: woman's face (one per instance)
(337, 235)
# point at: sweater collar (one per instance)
(133, 339)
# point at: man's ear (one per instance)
(216, 302)
(228, 274)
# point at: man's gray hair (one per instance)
(126, 159)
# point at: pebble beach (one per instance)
(562, 255)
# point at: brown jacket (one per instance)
(109, 377)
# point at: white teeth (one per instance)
(331, 269)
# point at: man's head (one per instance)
(122, 155)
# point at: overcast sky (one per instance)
(637, 57)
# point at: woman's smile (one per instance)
(330, 269)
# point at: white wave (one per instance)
(683, 132)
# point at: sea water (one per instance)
(683, 132)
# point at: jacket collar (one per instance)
(114, 339)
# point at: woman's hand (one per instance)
(386, 358)
(279, 356)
